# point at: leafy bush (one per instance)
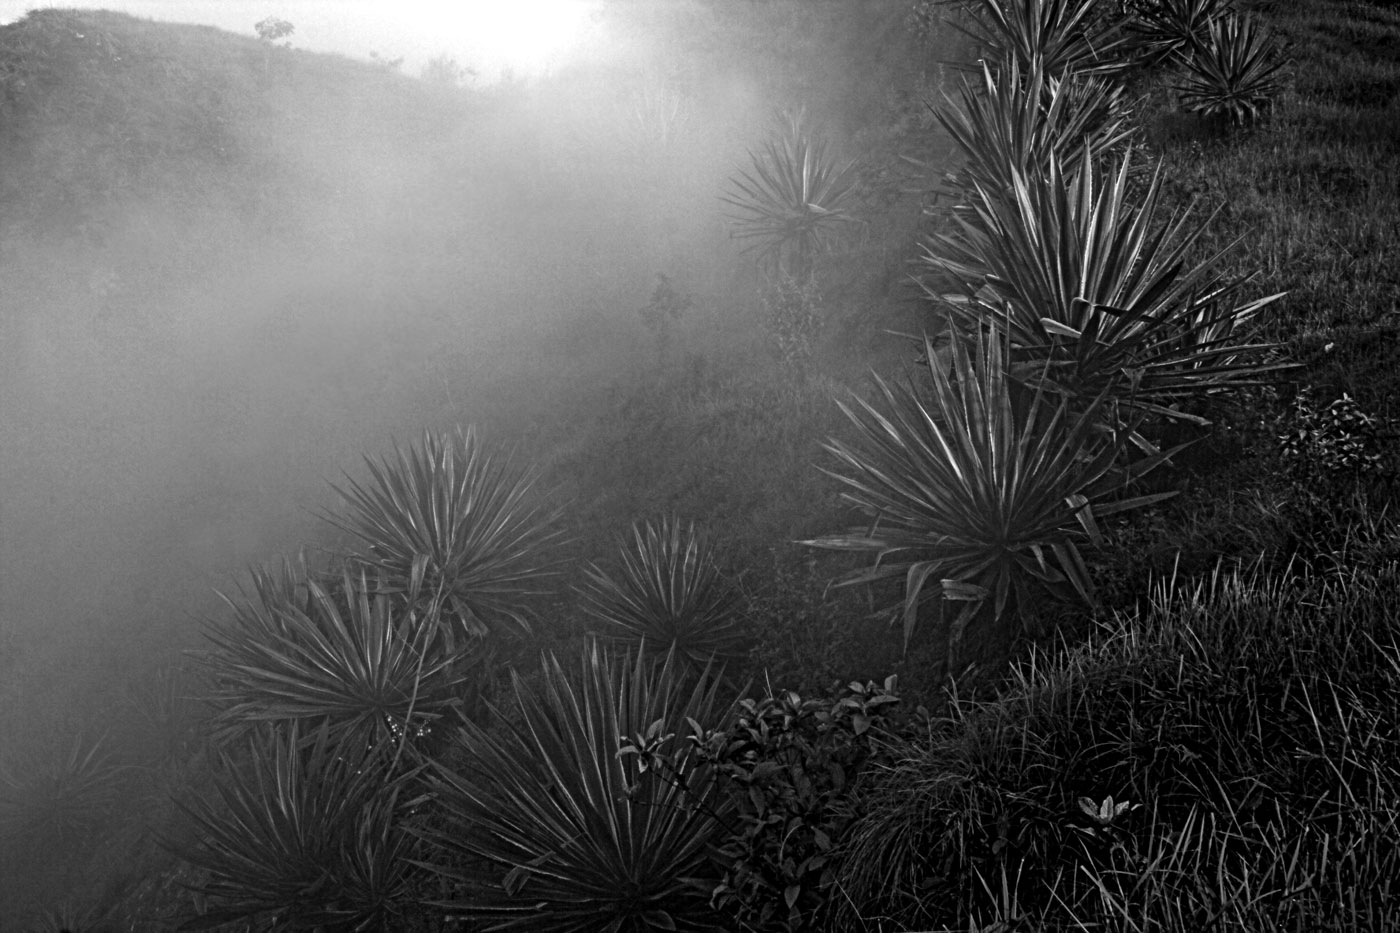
(1232, 72)
(545, 827)
(793, 321)
(984, 489)
(333, 652)
(789, 767)
(670, 594)
(453, 522)
(1340, 438)
(310, 834)
(1091, 288)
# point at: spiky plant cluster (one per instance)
(56, 796)
(454, 522)
(545, 827)
(1233, 72)
(670, 594)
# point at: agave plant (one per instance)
(60, 794)
(309, 834)
(983, 488)
(1162, 29)
(795, 201)
(453, 521)
(670, 594)
(548, 828)
(1052, 37)
(1233, 72)
(1090, 288)
(299, 648)
(1022, 122)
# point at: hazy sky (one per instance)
(526, 36)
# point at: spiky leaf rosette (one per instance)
(455, 523)
(1053, 37)
(978, 491)
(1093, 288)
(1232, 72)
(308, 833)
(57, 795)
(547, 828)
(670, 593)
(794, 201)
(297, 647)
(1014, 120)
(1161, 29)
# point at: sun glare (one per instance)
(525, 37)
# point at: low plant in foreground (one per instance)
(452, 522)
(1228, 759)
(978, 490)
(339, 652)
(306, 833)
(545, 827)
(1232, 72)
(670, 594)
(790, 767)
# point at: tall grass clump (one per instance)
(1226, 759)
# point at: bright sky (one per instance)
(524, 36)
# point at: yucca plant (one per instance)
(1232, 72)
(669, 593)
(1161, 29)
(1053, 37)
(57, 795)
(340, 652)
(795, 201)
(1096, 293)
(547, 828)
(453, 522)
(978, 491)
(308, 834)
(1014, 121)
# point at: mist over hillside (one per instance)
(229, 270)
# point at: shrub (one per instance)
(59, 795)
(795, 200)
(789, 767)
(332, 652)
(1232, 72)
(452, 521)
(1164, 29)
(669, 594)
(309, 835)
(546, 827)
(1327, 442)
(984, 490)
(1054, 37)
(1091, 289)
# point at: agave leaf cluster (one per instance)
(670, 593)
(1014, 122)
(1097, 293)
(1163, 29)
(1232, 72)
(545, 827)
(978, 491)
(1053, 37)
(454, 521)
(309, 832)
(59, 794)
(796, 199)
(342, 652)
